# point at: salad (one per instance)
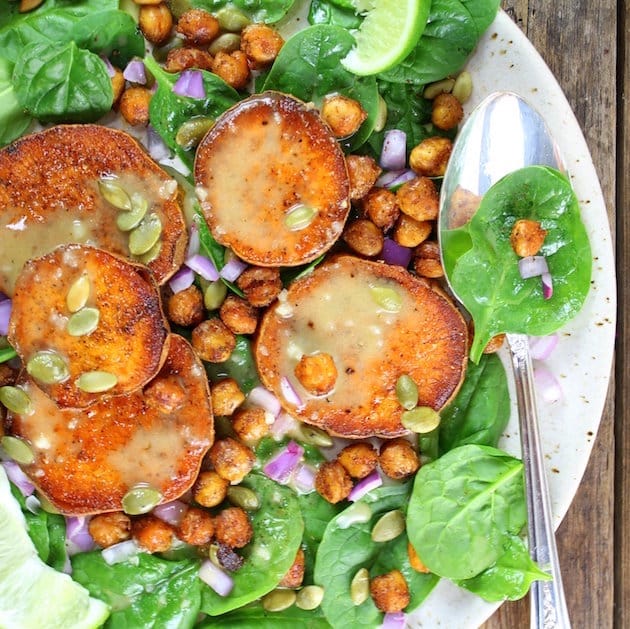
(302, 438)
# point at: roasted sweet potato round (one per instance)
(86, 460)
(53, 190)
(274, 181)
(378, 322)
(87, 323)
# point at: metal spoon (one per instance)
(504, 133)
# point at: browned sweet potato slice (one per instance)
(274, 181)
(377, 322)
(114, 326)
(86, 460)
(50, 195)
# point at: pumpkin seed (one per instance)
(126, 221)
(83, 322)
(17, 449)
(421, 419)
(78, 293)
(360, 586)
(96, 381)
(313, 436)
(143, 237)
(47, 367)
(243, 497)
(278, 600)
(387, 298)
(381, 114)
(463, 87)
(407, 392)
(114, 194)
(309, 597)
(228, 42)
(389, 526)
(356, 513)
(214, 295)
(141, 498)
(192, 131)
(439, 87)
(16, 400)
(46, 505)
(231, 19)
(151, 254)
(213, 555)
(299, 217)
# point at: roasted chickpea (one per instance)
(213, 340)
(358, 459)
(231, 459)
(409, 232)
(333, 482)
(233, 528)
(343, 115)
(164, 394)
(398, 458)
(198, 27)
(134, 105)
(239, 315)
(463, 204)
(415, 561)
(430, 157)
(447, 111)
(390, 592)
(118, 85)
(381, 207)
(226, 396)
(180, 59)
(261, 285)
(196, 527)
(419, 199)
(527, 237)
(152, 534)
(185, 308)
(295, 575)
(210, 489)
(364, 237)
(261, 44)
(363, 171)
(317, 373)
(250, 424)
(108, 529)
(232, 67)
(155, 22)
(426, 260)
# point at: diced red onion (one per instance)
(281, 426)
(156, 145)
(3, 296)
(547, 285)
(190, 84)
(232, 270)
(541, 347)
(171, 512)
(221, 582)
(18, 478)
(532, 266)
(304, 478)
(177, 164)
(365, 485)
(135, 72)
(289, 392)
(182, 279)
(204, 266)
(78, 538)
(33, 504)
(394, 151)
(393, 620)
(395, 254)
(265, 398)
(394, 178)
(281, 466)
(193, 240)
(5, 315)
(120, 552)
(111, 71)
(547, 385)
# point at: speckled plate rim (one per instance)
(506, 60)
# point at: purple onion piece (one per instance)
(541, 347)
(365, 485)
(547, 285)
(78, 538)
(289, 392)
(18, 478)
(194, 242)
(120, 552)
(190, 84)
(395, 254)
(221, 582)
(111, 71)
(394, 151)
(547, 385)
(5, 314)
(182, 279)
(156, 146)
(532, 266)
(385, 180)
(135, 72)
(393, 620)
(260, 396)
(203, 266)
(171, 512)
(233, 269)
(280, 467)
(304, 478)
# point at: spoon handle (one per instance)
(548, 604)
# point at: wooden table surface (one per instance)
(585, 43)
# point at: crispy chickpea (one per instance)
(426, 260)
(447, 111)
(419, 199)
(398, 458)
(364, 237)
(118, 85)
(430, 157)
(317, 373)
(186, 307)
(164, 394)
(250, 424)
(233, 528)
(180, 59)
(332, 481)
(381, 207)
(134, 105)
(239, 315)
(197, 27)
(295, 575)
(261, 285)
(343, 115)
(261, 44)
(152, 534)
(414, 561)
(226, 396)
(463, 204)
(210, 489)
(363, 171)
(155, 22)
(213, 340)
(196, 527)
(358, 459)
(108, 529)
(232, 67)
(231, 459)
(390, 592)
(527, 237)
(409, 232)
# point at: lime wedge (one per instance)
(32, 594)
(387, 35)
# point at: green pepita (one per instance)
(278, 600)
(114, 194)
(387, 298)
(231, 19)
(421, 419)
(83, 322)
(16, 400)
(463, 87)
(143, 237)
(140, 499)
(243, 497)
(360, 586)
(96, 381)
(228, 42)
(389, 526)
(78, 293)
(357, 513)
(439, 87)
(17, 449)
(192, 131)
(214, 295)
(309, 597)
(381, 114)
(48, 367)
(407, 392)
(299, 217)
(151, 254)
(313, 436)
(126, 221)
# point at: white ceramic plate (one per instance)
(506, 60)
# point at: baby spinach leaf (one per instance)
(328, 12)
(255, 617)
(481, 409)
(278, 528)
(146, 591)
(269, 11)
(240, 366)
(463, 508)
(487, 279)
(62, 83)
(14, 121)
(482, 12)
(510, 577)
